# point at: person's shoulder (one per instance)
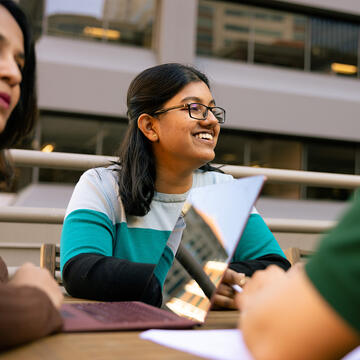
(97, 190)
(96, 181)
(101, 174)
(203, 178)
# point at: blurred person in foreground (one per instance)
(29, 301)
(312, 311)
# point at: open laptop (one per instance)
(221, 210)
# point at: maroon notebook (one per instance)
(125, 315)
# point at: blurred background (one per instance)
(287, 73)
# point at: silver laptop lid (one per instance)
(215, 217)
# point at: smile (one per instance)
(205, 136)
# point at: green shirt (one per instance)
(335, 268)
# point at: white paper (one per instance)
(354, 355)
(211, 344)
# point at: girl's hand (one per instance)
(225, 294)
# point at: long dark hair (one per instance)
(23, 117)
(147, 94)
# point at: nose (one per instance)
(9, 70)
(210, 120)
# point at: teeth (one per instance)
(206, 136)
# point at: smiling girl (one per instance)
(123, 224)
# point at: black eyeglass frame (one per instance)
(188, 106)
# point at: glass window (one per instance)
(205, 28)
(230, 148)
(249, 33)
(265, 36)
(65, 133)
(69, 134)
(278, 154)
(332, 158)
(262, 151)
(113, 136)
(223, 30)
(124, 21)
(279, 38)
(334, 47)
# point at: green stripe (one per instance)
(164, 265)
(86, 231)
(257, 240)
(140, 245)
(89, 231)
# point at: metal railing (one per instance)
(83, 162)
(56, 216)
(69, 161)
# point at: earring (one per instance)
(155, 137)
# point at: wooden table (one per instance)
(122, 345)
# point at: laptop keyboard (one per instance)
(124, 312)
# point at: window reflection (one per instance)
(80, 135)
(334, 47)
(223, 30)
(265, 36)
(251, 34)
(279, 38)
(278, 154)
(231, 148)
(339, 158)
(125, 21)
(71, 18)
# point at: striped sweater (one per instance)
(96, 222)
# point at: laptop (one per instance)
(218, 214)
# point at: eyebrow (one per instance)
(196, 99)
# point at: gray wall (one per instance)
(87, 77)
(80, 77)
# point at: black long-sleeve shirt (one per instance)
(106, 278)
(248, 267)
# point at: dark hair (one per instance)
(23, 117)
(147, 93)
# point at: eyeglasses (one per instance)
(198, 111)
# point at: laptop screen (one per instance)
(215, 217)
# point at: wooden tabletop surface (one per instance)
(122, 345)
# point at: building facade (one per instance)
(286, 72)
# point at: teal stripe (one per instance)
(140, 245)
(164, 265)
(257, 240)
(89, 231)
(86, 231)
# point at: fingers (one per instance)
(225, 290)
(31, 275)
(224, 301)
(234, 278)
